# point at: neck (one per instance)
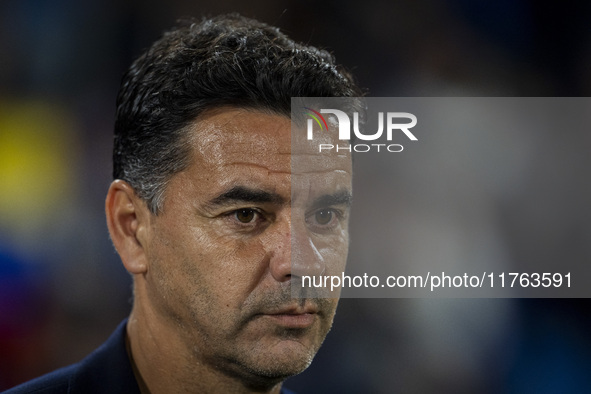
(165, 361)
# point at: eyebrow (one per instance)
(343, 197)
(245, 194)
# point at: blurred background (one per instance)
(63, 289)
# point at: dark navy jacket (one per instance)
(106, 370)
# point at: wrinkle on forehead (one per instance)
(290, 171)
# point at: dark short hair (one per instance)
(228, 60)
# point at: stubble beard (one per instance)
(259, 367)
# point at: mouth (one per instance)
(295, 316)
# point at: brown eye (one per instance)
(245, 215)
(323, 216)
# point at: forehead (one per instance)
(235, 137)
(232, 135)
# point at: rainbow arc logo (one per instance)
(316, 115)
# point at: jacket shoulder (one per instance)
(106, 370)
(56, 382)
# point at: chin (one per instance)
(286, 359)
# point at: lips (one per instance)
(295, 316)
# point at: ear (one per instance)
(128, 222)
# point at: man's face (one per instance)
(236, 227)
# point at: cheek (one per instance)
(335, 252)
(222, 269)
(239, 266)
(335, 261)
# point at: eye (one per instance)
(323, 216)
(245, 215)
(324, 219)
(246, 220)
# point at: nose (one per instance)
(294, 253)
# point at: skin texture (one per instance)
(213, 309)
